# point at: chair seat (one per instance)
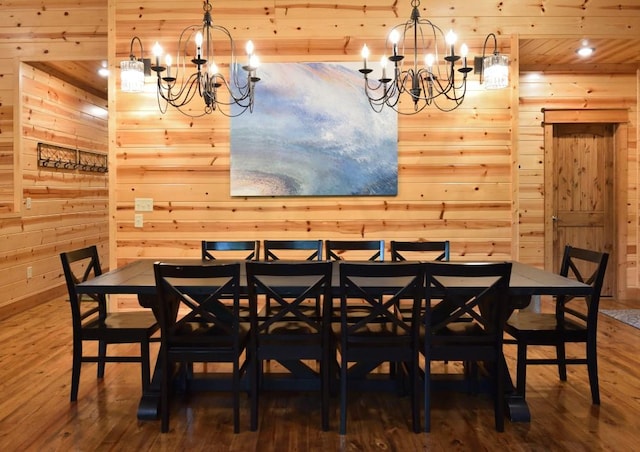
(127, 324)
(540, 326)
(459, 333)
(382, 331)
(290, 328)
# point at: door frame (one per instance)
(619, 118)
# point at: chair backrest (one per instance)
(194, 307)
(420, 251)
(292, 288)
(353, 250)
(79, 266)
(292, 250)
(588, 267)
(379, 288)
(479, 292)
(232, 248)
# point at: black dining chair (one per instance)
(292, 250)
(380, 334)
(289, 250)
(361, 250)
(92, 321)
(477, 291)
(290, 332)
(419, 251)
(232, 249)
(575, 319)
(198, 325)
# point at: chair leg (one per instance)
(164, 395)
(343, 395)
(427, 394)
(253, 391)
(102, 354)
(592, 366)
(562, 361)
(324, 377)
(235, 389)
(521, 371)
(414, 393)
(500, 372)
(144, 364)
(75, 369)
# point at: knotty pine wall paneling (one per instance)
(569, 91)
(69, 209)
(451, 165)
(464, 175)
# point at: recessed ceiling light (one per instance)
(103, 71)
(585, 50)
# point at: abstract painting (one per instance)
(313, 133)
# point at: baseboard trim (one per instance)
(31, 301)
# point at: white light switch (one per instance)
(144, 204)
(138, 220)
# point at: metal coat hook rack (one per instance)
(59, 157)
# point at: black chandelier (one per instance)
(205, 87)
(436, 76)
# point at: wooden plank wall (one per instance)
(69, 209)
(538, 91)
(459, 176)
(451, 165)
(458, 171)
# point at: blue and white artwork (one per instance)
(313, 133)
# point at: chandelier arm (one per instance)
(186, 91)
(180, 88)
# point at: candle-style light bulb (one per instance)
(157, 52)
(365, 54)
(429, 59)
(198, 45)
(168, 60)
(254, 62)
(464, 51)
(383, 63)
(394, 38)
(249, 49)
(451, 39)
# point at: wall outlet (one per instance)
(138, 220)
(27, 203)
(29, 272)
(144, 204)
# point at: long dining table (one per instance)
(137, 278)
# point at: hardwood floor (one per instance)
(35, 413)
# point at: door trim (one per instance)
(619, 118)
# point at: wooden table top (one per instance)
(137, 278)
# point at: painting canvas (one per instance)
(313, 133)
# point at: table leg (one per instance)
(149, 406)
(516, 405)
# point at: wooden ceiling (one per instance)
(559, 55)
(83, 74)
(550, 55)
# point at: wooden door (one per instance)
(585, 186)
(583, 190)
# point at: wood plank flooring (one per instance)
(35, 413)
